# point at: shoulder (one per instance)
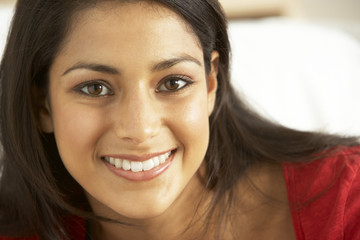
(352, 207)
(338, 168)
(325, 195)
(333, 174)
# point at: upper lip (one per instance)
(141, 158)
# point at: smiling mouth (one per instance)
(138, 166)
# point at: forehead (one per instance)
(149, 21)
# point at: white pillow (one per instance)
(302, 75)
(6, 12)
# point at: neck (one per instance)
(184, 219)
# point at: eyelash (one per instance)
(83, 88)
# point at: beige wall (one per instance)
(7, 1)
(253, 8)
(312, 9)
(326, 9)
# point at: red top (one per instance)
(328, 193)
(332, 188)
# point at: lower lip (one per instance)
(143, 175)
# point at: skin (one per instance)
(137, 114)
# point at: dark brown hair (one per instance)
(36, 191)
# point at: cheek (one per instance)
(191, 125)
(195, 120)
(76, 130)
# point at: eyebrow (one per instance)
(93, 67)
(168, 63)
(162, 65)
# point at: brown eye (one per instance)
(95, 89)
(174, 84)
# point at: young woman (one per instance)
(118, 121)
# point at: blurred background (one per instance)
(295, 61)
(341, 13)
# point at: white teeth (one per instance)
(118, 162)
(162, 158)
(136, 166)
(147, 165)
(126, 165)
(156, 161)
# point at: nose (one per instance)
(138, 118)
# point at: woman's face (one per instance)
(129, 104)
